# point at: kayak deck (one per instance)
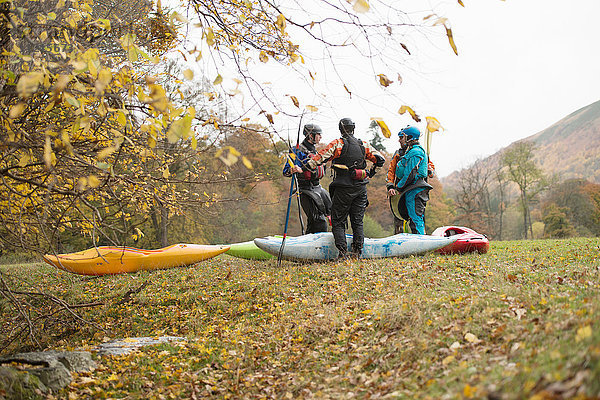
(248, 250)
(110, 260)
(321, 246)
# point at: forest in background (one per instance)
(532, 204)
(545, 185)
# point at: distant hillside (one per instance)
(569, 148)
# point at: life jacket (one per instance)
(351, 163)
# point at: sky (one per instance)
(522, 65)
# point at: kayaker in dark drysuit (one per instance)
(407, 177)
(315, 200)
(349, 187)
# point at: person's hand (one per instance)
(371, 173)
(297, 169)
(392, 192)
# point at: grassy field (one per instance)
(519, 322)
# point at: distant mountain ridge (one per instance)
(569, 148)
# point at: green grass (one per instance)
(519, 322)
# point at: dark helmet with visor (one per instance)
(311, 130)
(346, 126)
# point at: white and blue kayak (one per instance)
(321, 246)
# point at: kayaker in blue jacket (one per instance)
(409, 182)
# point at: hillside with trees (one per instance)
(546, 185)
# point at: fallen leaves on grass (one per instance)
(428, 326)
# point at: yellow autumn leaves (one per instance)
(134, 52)
(449, 34)
(181, 128)
(360, 6)
(28, 84)
(229, 156)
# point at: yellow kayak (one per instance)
(109, 260)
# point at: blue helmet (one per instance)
(411, 132)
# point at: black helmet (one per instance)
(346, 126)
(312, 129)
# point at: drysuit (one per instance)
(348, 189)
(410, 181)
(315, 200)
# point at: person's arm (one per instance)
(430, 169)
(293, 163)
(373, 155)
(391, 175)
(331, 151)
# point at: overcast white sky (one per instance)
(522, 65)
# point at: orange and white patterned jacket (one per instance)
(334, 149)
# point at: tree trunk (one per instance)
(154, 218)
(530, 225)
(160, 220)
(501, 217)
(525, 212)
(164, 222)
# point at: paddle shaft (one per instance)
(289, 205)
(287, 219)
(299, 205)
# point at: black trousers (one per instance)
(316, 221)
(348, 201)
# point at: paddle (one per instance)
(299, 207)
(287, 213)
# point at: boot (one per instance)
(355, 253)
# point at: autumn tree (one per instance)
(556, 223)
(501, 183)
(90, 141)
(593, 191)
(523, 171)
(472, 198)
(74, 144)
(578, 199)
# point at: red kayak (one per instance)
(468, 241)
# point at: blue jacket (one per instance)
(308, 178)
(300, 160)
(411, 166)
